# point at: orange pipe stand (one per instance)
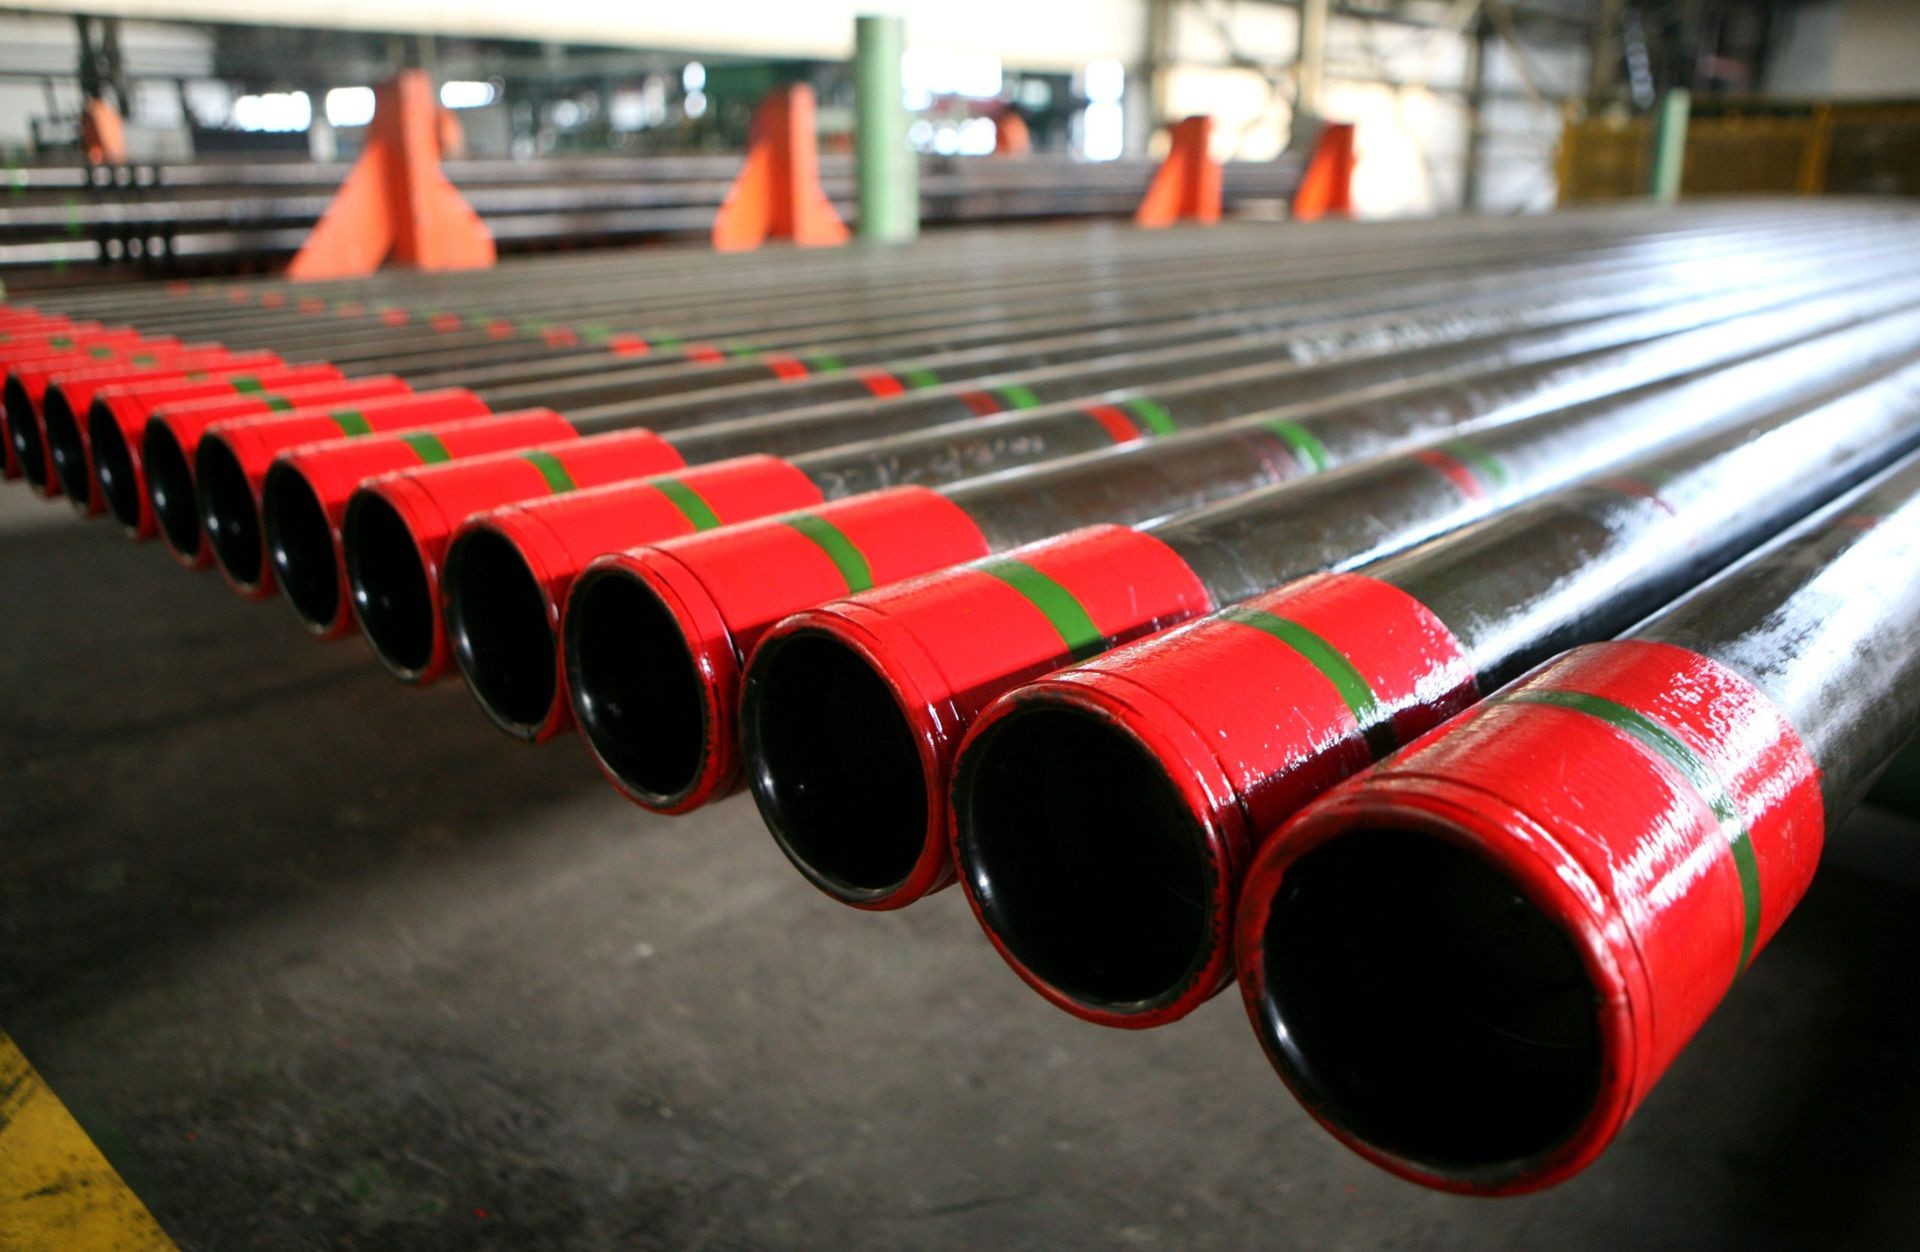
(396, 204)
(1186, 187)
(101, 134)
(1011, 136)
(1326, 189)
(777, 195)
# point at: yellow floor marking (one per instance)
(56, 1190)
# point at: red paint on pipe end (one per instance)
(304, 494)
(127, 407)
(1596, 908)
(655, 637)
(72, 391)
(397, 527)
(508, 571)
(1103, 815)
(852, 711)
(231, 463)
(117, 437)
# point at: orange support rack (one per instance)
(778, 195)
(1186, 187)
(1326, 189)
(101, 133)
(396, 204)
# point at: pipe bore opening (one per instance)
(300, 545)
(1082, 858)
(392, 595)
(24, 432)
(227, 511)
(502, 635)
(637, 690)
(833, 764)
(113, 466)
(1427, 1006)
(69, 450)
(170, 490)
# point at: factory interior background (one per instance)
(1103, 623)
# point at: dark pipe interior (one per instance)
(24, 432)
(391, 593)
(227, 510)
(69, 451)
(170, 488)
(637, 691)
(834, 766)
(1082, 858)
(1426, 1005)
(300, 545)
(113, 466)
(502, 636)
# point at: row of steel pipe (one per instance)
(1371, 501)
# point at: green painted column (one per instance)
(886, 172)
(1669, 145)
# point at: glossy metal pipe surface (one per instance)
(705, 603)
(1591, 358)
(1344, 667)
(1554, 890)
(933, 651)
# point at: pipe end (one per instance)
(170, 494)
(304, 550)
(392, 536)
(117, 469)
(1098, 869)
(504, 630)
(1426, 988)
(230, 515)
(654, 679)
(846, 757)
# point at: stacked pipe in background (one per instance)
(212, 215)
(597, 486)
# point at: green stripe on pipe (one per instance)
(1152, 414)
(1058, 605)
(1698, 774)
(1482, 462)
(352, 422)
(1018, 397)
(920, 378)
(245, 384)
(688, 501)
(1311, 452)
(277, 404)
(427, 447)
(558, 480)
(839, 549)
(825, 364)
(1352, 685)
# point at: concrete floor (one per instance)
(322, 962)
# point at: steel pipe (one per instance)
(682, 413)
(129, 402)
(142, 364)
(1101, 837)
(869, 696)
(117, 434)
(173, 438)
(1553, 891)
(654, 637)
(410, 577)
(523, 364)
